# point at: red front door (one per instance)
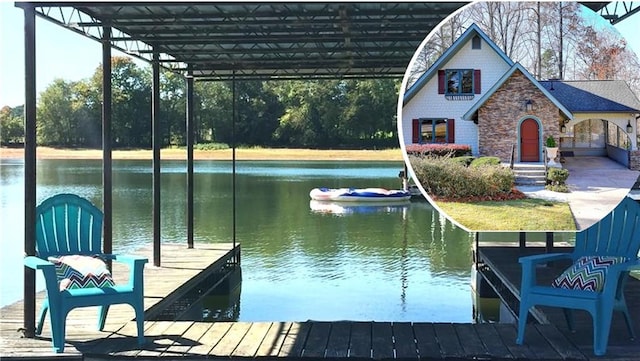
(529, 141)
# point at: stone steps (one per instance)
(530, 174)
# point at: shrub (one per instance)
(550, 142)
(464, 160)
(482, 161)
(556, 180)
(442, 178)
(210, 146)
(441, 150)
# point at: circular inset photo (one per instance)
(521, 116)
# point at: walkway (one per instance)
(597, 185)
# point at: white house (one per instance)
(474, 94)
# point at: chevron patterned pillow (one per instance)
(587, 273)
(75, 271)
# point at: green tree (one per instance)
(213, 113)
(131, 102)
(11, 125)
(56, 121)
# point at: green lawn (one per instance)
(515, 215)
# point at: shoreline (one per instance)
(221, 154)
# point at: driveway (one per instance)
(597, 185)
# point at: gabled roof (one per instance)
(450, 53)
(503, 79)
(594, 95)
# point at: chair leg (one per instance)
(102, 316)
(601, 328)
(139, 310)
(58, 320)
(627, 320)
(568, 316)
(43, 314)
(522, 321)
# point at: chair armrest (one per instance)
(130, 259)
(49, 272)
(136, 268)
(540, 258)
(38, 263)
(614, 271)
(528, 267)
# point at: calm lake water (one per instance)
(299, 262)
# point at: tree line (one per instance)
(350, 114)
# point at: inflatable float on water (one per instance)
(358, 194)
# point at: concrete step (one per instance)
(530, 181)
(529, 174)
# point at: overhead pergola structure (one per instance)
(220, 41)
(614, 11)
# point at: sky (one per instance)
(63, 54)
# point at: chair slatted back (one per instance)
(68, 224)
(617, 234)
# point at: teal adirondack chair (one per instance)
(66, 225)
(615, 240)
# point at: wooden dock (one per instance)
(195, 340)
(499, 265)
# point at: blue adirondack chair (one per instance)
(616, 239)
(67, 224)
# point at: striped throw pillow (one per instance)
(587, 273)
(76, 271)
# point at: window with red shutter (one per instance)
(416, 131)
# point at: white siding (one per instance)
(428, 103)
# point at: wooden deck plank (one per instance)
(231, 339)
(360, 340)
(338, 343)
(538, 344)
(508, 334)
(151, 333)
(471, 344)
(381, 340)
(426, 341)
(404, 341)
(316, 343)
(565, 348)
(274, 339)
(210, 339)
(492, 341)
(294, 340)
(448, 340)
(173, 334)
(190, 338)
(248, 346)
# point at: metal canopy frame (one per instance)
(217, 40)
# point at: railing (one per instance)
(544, 160)
(513, 156)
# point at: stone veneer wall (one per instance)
(499, 117)
(634, 159)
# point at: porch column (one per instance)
(155, 124)
(107, 164)
(190, 138)
(29, 295)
